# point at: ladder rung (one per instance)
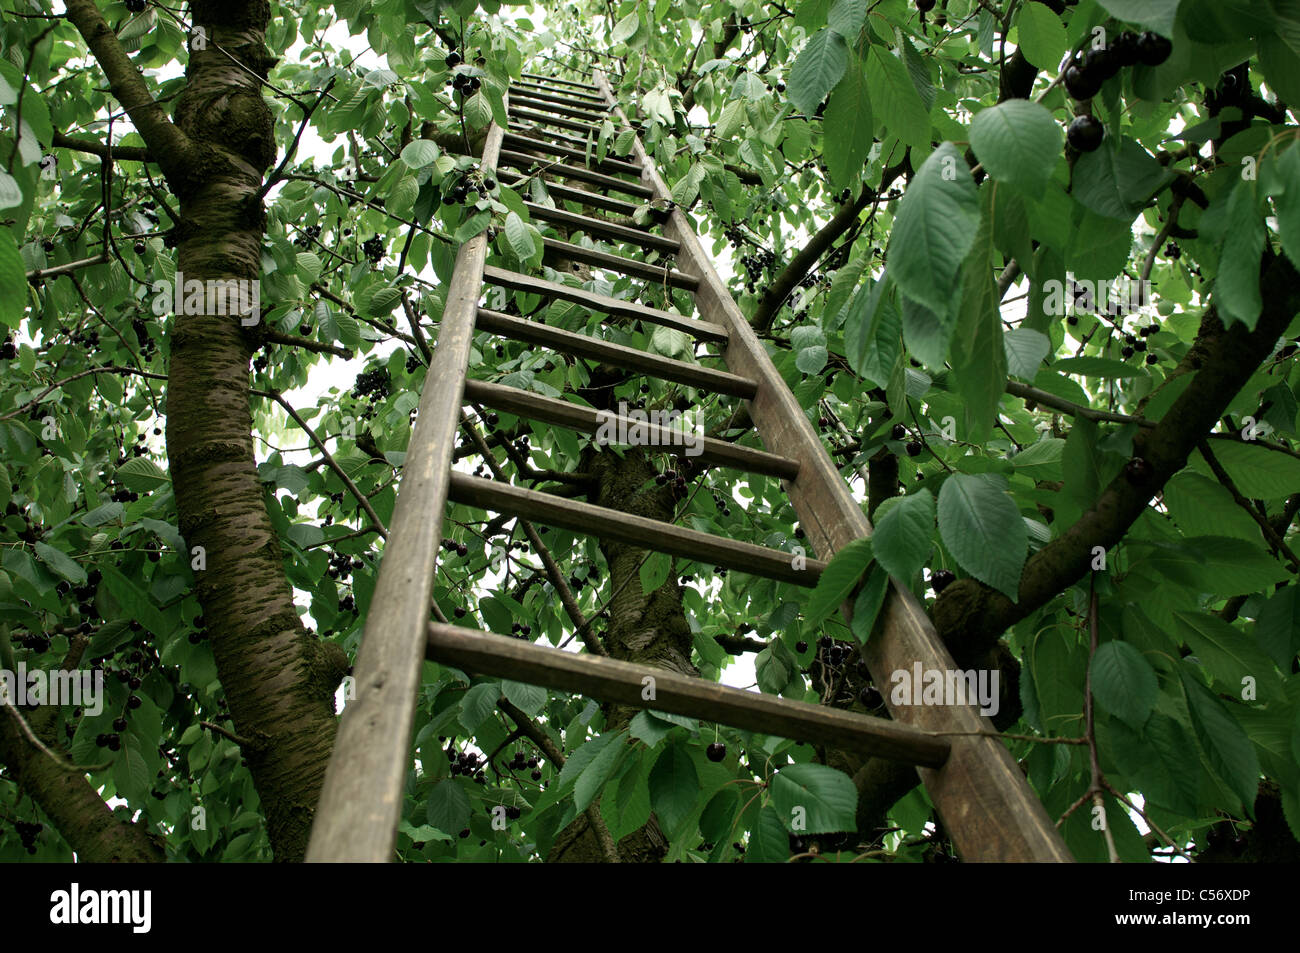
(545, 119)
(571, 94)
(623, 683)
(526, 101)
(526, 403)
(569, 152)
(594, 226)
(567, 193)
(701, 330)
(533, 91)
(520, 160)
(660, 274)
(556, 79)
(582, 143)
(633, 530)
(620, 355)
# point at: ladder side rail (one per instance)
(984, 799)
(361, 802)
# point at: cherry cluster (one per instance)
(27, 831)
(374, 249)
(519, 763)
(1084, 78)
(8, 350)
(1137, 342)
(466, 763)
(341, 565)
(451, 546)
(375, 384)
(466, 185)
(755, 265)
(310, 232)
(148, 347)
(135, 6)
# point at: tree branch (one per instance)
(170, 146)
(969, 615)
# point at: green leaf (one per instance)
(1124, 683)
(938, 218)
(1278, 626)
(748, 86)
(982, 528)
(1018, 142)
(773, 668)
(1157, 15)
(768, 841)
(1026, 349)
(654, 571)
(979, 354)
(1287, 203)
(11, 194)
(529, 698)
(1230, 656)
(13, 281)
(448, 808)
(1225, 743)
(847, 127)
(1258, 472)
(897, 102)
(61, 563)
(1042, 36)
(847, 17)
(625, 28)
(814, 799)
(400, 200)
(868, 602)
(478, 703)
(595, 774)
(420, 152)
(141, 475)
(810, 349)
(902, 540)
(837, 581)
(382, 300)
(1236, 289)
(521, 242)
(817, 69)
(674, 784)
(648, 728)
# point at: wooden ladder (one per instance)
(982, 796)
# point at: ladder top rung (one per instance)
(522, 98)
(620, 355)
(620, 682)
(533, 91)
(639, 531)
(557, 79)
(702, 330)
